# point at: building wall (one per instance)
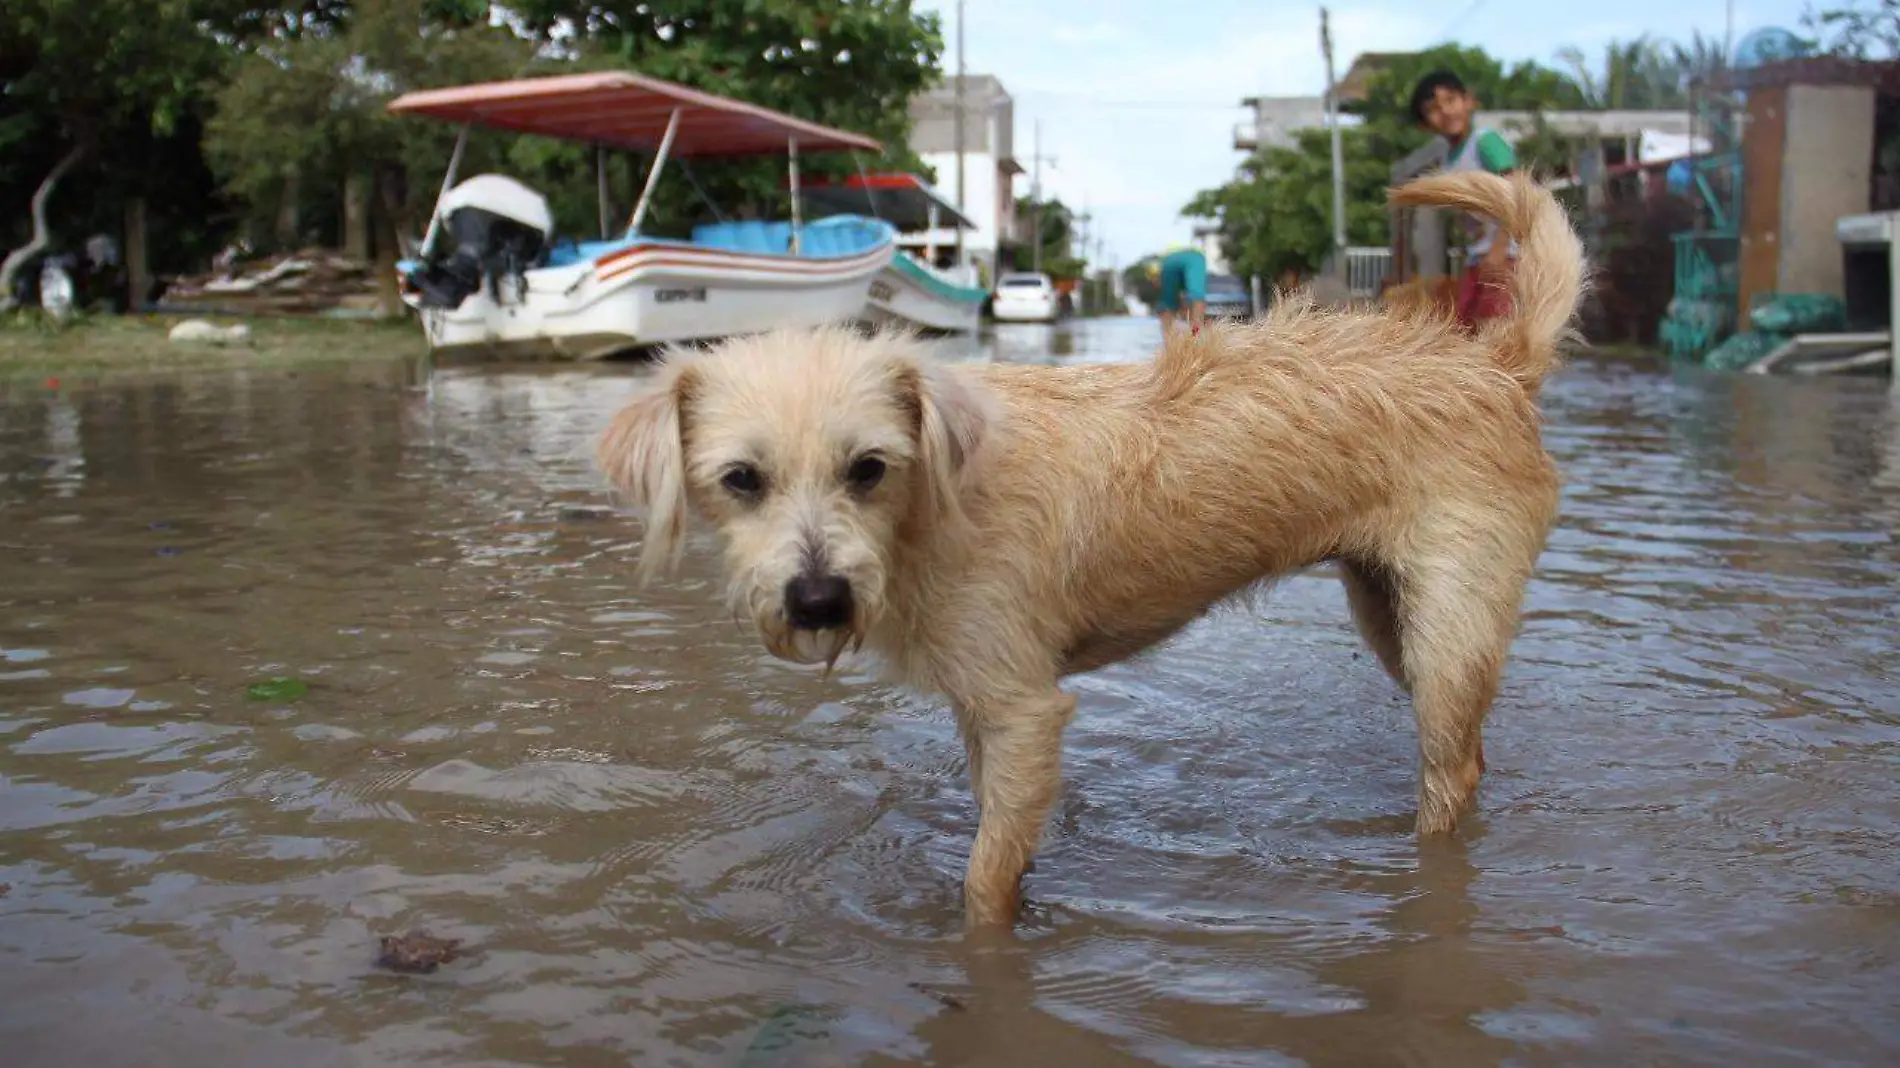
(985, 182)
(1826, 172)
(1277, 118)
(1208, 241)
(1762, 153)
(979, 188)
(989, 121)
(932, 115)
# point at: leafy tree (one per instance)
(1859, 29)
(305, 111)
(1645, 73)
(1699, 58)
(85, 78)
(1523, 86)
(1275, 215)
(184, 103)
(1637, 73)
(851, 64)
(1059, 260)
(1142, 278)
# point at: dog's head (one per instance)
(819, 455)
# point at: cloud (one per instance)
(1095, 33)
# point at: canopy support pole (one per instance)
(600, 183)
(653, 174)
(448, 183)
(798, 221)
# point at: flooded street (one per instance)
(661, 847)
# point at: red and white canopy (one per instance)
(621, 109)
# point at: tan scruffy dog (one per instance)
(991, 529)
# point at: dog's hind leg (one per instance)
(1021, 758)
(973, 749)
(1459, 614)
(1373, 593)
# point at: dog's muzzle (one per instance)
(818, 602)
(818, 619)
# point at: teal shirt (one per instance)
(1493, 152)
(1482, 150)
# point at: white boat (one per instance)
(912, 290)
(490, 276)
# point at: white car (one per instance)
(1025, 297)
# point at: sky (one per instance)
(1138, 101)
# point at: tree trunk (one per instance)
(392, 199)
(138, 269)
(41, 234)
(356, 216)
(289, 217)
(389, 303)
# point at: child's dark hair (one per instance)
(1427, 90)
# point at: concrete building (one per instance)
(1207, 239)
(1808, 152)
(989, 162)
(1277, 118)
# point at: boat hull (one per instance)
(906, 294)
(652, 294)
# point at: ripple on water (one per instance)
(664, 847)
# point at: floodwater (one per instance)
(661, 847)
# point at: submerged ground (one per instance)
(293, 659)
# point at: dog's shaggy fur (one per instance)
(991, 529)
(1436, 296)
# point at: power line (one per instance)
(1451, 27)
(1133, 105)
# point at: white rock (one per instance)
(199, 330)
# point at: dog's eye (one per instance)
(742, 480)
(864, 472)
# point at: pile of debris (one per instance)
(311, 281)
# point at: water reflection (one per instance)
(664, 848)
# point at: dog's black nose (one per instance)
(818, 602)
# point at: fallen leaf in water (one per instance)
(417, 952)
(277, 689)
(948, 1001)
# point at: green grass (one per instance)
(30, 346)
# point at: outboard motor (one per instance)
(491, 227)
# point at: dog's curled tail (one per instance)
(1549, 280)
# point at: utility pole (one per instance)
(1035, 197)
(1339, 166)
(959, 119)
(1079, 246)
(1081, 235)
(1100, 257)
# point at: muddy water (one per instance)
(662, 848)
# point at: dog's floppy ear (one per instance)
(643, 454)
(955, 415)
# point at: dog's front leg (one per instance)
(1018, 747)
